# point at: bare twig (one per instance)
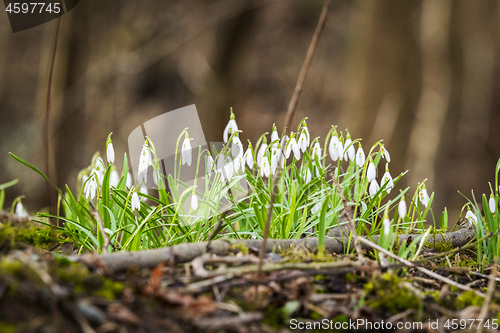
(289, 116)
(489, 293)
(50, 167)
(421, 269)
(349, 218)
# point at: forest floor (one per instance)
(42, 290)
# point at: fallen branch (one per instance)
(186, 252)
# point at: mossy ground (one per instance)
(42, 291)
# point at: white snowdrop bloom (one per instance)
(387, 178)
(292, 146)
(110, 153)
(385, 153)
(261, 152)
(265, 168)
(275, 137)
(194, 201)
(135, 202)
(308, 137)
(230, 127)
(144, 190)
(90, 188)
(307, 176)
(237, 147)
(249, 157)
(424, 197)
(316, 151)
(20, 211)
(316, 207)
(492, 204)
(402, 208)
(303, 141)
(108, 231)
(220, 166)
(360, 157)
(471, 217)
(210, 164)
(387, 226)
(229, 168)
(349, 152)
(187, 157)
(129, 180)
(371, 173)
(284, 141)
(237, 163)
(114, 178)
(144, 163)
(276, 159)
(373, 187)
(335, 147)
(241, 160)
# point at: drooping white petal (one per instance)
(110, 153)
(402, 209)
(236, 163)
(265, 168)
(387, 178)
(316, 207)
(135, 202)
(194, 201)
(144, 190)
(249, 158)
(316, 151)
(471, 217)
(295, 148)
(229, 168)
(333, 148)
(373, 187)
(308, 137)
(20, 211)
(220, 166)
(230, 128)
(114, 178)
(387, 227)
(308, 176)
(237, 147)
(424, 197)
(90, 188)
(360, 157)
(261, 152)
(275, 137)
(284, 142)
(129, 180)
(186, 152)
(274, 159)
(385, 153)
(492, 205)
(144, 160)
(349, 152)
(210, 164)
(371, 173)
(303, 141)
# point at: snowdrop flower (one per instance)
(349, 152)
(387, 178)
(424, 197)
(316, 151)
(144, 190)
(492, 204)
(265, 168)
(284, 141)
(371, 173)
(336, 148)
(316, 207)
(110, 152)
(210, 164)
(129, 180)
(230, 127)
(187, 157)
(387, 226)
(135, 202)
(275, 137)
(276, 157)
(194, 201)
(114, 178)
(261, 152)
(144, 162)
(20, 211)
(292, 146)
(471, 217)
(90, 188)
(229, 168)
(220, 166)
(373, 188)
(308, 176)
(237, 147)
(304, 138)
(237, 163)
(360, 156)
(249, 156)
(402, 208)
(385, 153)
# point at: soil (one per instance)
(42, 290)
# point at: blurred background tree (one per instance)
(421, 74)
